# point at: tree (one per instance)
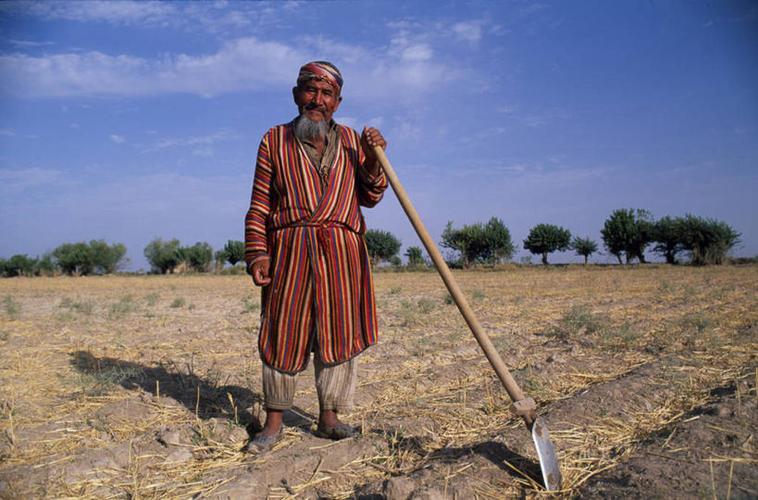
(106, 259)
(382, 245)
(708, 240)
(219, 259)
(415, 257)
(234, 251)
(584, 247)
(19, 265)
(544, 239)
(668, 234)
(628, 232)
(74, 259)
(163, 256)
(198, 257)
(45, 266)
(479, 243)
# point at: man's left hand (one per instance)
(369, 138)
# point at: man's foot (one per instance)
(263, 442)
(336, 432)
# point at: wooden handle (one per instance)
(514, 391)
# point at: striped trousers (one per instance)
(335, 386)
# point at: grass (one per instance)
(84, 307)
(579, 321)
(152, 298)
(123, 307)
(178, 302)
(11, 308)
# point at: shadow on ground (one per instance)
(206, 398)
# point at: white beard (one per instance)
(307, 129)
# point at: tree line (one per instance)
(626, 234)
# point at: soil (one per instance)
(114, 387)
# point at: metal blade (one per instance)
(551, 473)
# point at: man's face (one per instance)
(316, 99)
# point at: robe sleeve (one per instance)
(370, 187)
(256, 220)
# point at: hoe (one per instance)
(522, 406)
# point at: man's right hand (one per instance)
(260, 272)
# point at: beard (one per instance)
(307, 129)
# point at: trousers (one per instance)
(335, 386)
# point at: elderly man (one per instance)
(304, 245)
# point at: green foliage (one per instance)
(628, 232)
(178, 302)
(18, 265)
(45, 266)
(106, 259)
(198, 257)
(234, 251)
(11, 307)
(382, 245)
(74, 259)
(163, 256)
(708, 240)
(544, 239)
(584, 247)
(668, 235)
(479, 243)
(415, 257)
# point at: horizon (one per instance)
(127, 121)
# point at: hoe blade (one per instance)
(551, 473)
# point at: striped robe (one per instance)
(313, 234)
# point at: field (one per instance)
(144, 387)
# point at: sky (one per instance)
(127, 121)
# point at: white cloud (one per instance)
(418, 52)
(25, 44)
(95, 73)
(118, 139)
(14, 180)
(7, 132)
(203, 141)
(469, 31)
(122, 12)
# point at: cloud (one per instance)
(16, 180)
(468, 31)
(7, 132)
(96, 73)
(122, 12)
(203, 141)
(118, 139)
(25, 44)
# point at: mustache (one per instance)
(311, 106)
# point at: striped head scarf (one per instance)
(321, 70)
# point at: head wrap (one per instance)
(321, 70)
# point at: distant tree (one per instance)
(106, 259)
(234, 251)
(708, 240)
(2, 267)
(19, 265)
(219, 259)
(479, 243)
(198, 257)
(544, 239)
(74, 259)
(668, 235)
(584, 247)
(628, 232)
(163, 256)
(415, 257)
(45, 266)
(382, 245)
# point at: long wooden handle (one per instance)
(514, 391)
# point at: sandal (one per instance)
(261, 444)
(339, 431)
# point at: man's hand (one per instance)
(260, 272)
(369, 138)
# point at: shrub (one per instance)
(479, 243)
(381, 245)
(415, 257)
(544, 239)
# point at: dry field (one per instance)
(143, 387)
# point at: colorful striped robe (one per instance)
(313, 234)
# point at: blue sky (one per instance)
(133, 120)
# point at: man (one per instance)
(304, 245)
